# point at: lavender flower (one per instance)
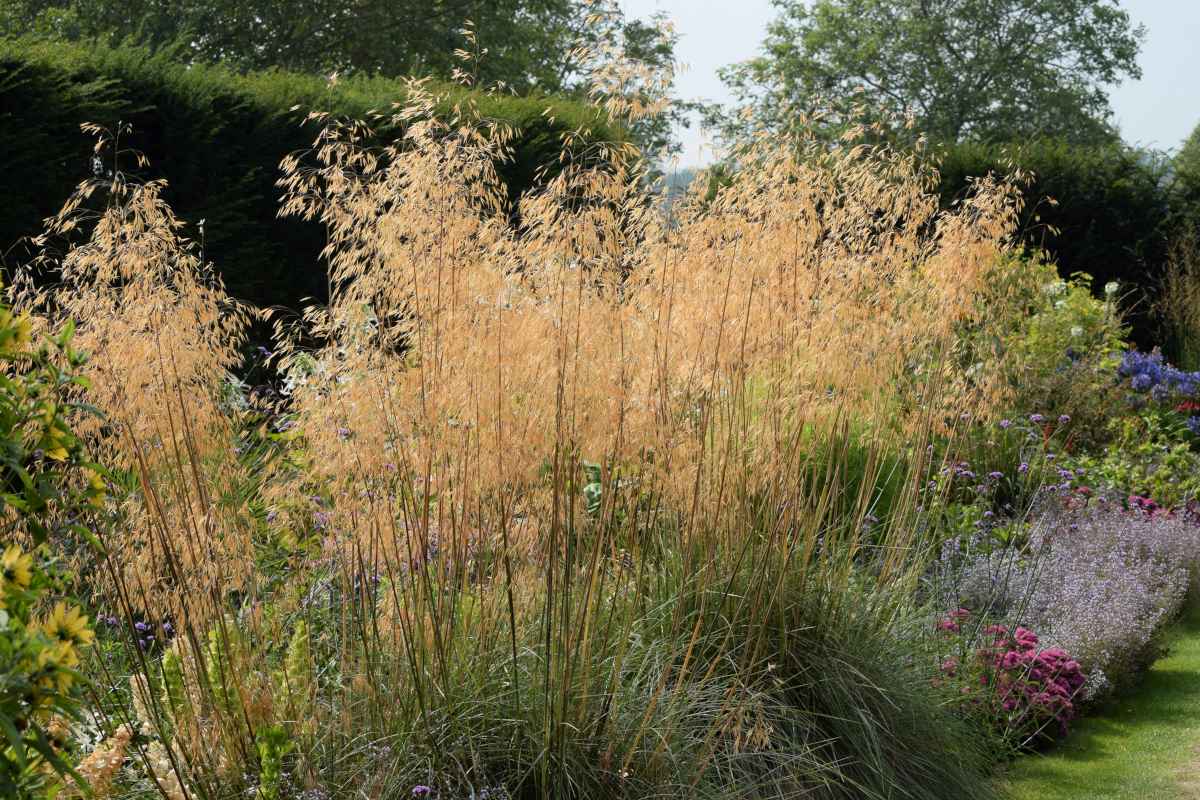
(1098, 583)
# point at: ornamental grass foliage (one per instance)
(587, 503)
(162, 335)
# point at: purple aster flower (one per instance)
(1005, 424)
(1063, 419)
(1036, 418)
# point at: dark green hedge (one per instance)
(217, 137)
(1116, 210)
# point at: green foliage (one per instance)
(217, 137)
(871, 476)
(993, 475)
(1106, 210)
(1151, 455)
(273, 745)
(38, 680)
(1187, 160)
(1067, 352)
(1178, 306)
(530, 46)
(967, 69)
(48, 486)
(394, 37)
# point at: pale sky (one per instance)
(1160, 110)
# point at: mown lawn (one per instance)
(1144, 744)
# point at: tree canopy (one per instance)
(1187, 160)
(391, 37)
(963, 69)
(529, 46)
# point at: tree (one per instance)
(391, 37)
(963, 69)
(526, 45)
(1187, 160)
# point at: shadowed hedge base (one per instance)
(217, 137)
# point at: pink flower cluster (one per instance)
(951, 623)
(1024, 689)
(1147, 506)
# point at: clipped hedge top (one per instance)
(217, 137)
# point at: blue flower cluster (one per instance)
(1148, 373)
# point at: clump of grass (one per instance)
(567, 506)
(163, 339)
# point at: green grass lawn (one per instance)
(1145, 744)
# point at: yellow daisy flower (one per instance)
(16, 567)
(59, 655)
(68, 626)
(55, 663)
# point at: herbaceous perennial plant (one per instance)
(48, 491)
(541, 511)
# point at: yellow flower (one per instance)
(66, 655)
(54, 664)
(68, 626)
(16, 567)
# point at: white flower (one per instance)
(1076, 331)
(1055, 288)
(1111, 288)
